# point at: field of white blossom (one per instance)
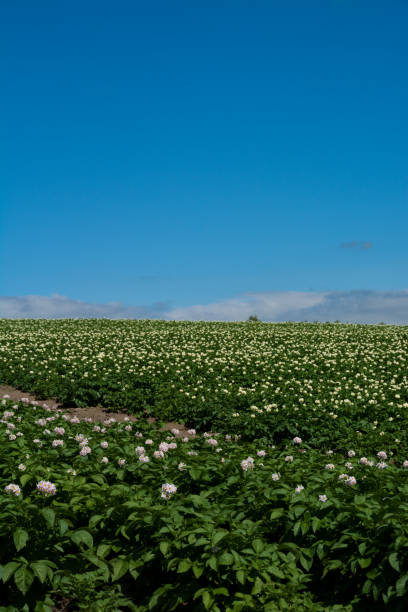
(285, 490)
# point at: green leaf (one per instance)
(258, 546)
(24, 478)
(133, 565)
(225, 559)
(241, 576)
(365, 562)
(393, 559)
(320, 551)
(94, 520)
(20, 537)
(99, 563)
(40, 570)
(49, 516)
(207, 599)
(63, 526)
(299, 510)
(103, 550)
(305, 526)
(366, 587)
(197, 570)
(23, 578)
(276, 572)
(184, 566)
(212, 562)
(46, 606)
(82, 537)
(120, 567)
(164, 547)
(195, 473)
(201, 541)
(258, 586)
(9, 569)
(334, 564)
(277, 513)
(220, 591)
(401, 585)
(99, 479)
(217, 537)
(306, 563)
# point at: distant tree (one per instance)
(253, 319)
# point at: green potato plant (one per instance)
(289, 494)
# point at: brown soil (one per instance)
(96, 413)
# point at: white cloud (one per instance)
(267, 306)
(60, 307)
(362, 307)
(347, 306)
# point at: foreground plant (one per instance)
(288, 492)
(232, 529)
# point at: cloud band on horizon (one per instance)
(358, 306)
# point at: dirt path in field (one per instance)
(96, 413)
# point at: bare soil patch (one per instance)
(96, 413)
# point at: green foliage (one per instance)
(237, 534)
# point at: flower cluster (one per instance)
(46, 487)
(168, 490)
(13, 489)
(247, 464)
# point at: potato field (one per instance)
(286, 488)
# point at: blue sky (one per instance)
(170, 155)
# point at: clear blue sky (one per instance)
(188, 152)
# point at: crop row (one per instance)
(124, 516)
(254, 380)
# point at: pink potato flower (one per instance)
(168, 490)
(13, 489)
(46, 487)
